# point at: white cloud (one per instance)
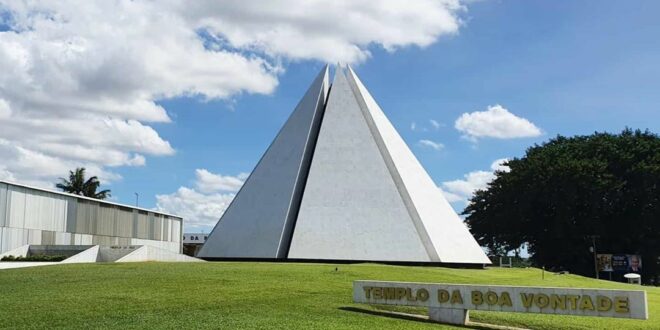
(496, 122)
(38, 169)
(451, 197)
(498, 165)
(5, 110)
(202, 206)
(81, 80)
(432, 144)
(208, 182)
(434, 125)
(461, 190)
(6, 175)
(198, 210)
(327, 30)
(471, 182)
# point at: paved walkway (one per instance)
(23, 264)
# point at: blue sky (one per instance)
(567, 67)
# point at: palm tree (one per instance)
(79, 186)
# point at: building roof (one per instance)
(87, 198)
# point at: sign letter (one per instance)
(456, 297)
(527, 299)
(621, 305)
(604, 303)
(477, 298)
(443, 296)
(367, 292)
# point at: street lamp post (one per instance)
(593, 249)
(137, 197)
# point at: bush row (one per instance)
(36, 257)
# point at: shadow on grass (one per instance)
(407, 317)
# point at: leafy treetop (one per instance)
(77, 184)
(563, 192)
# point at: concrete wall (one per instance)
(34, 216)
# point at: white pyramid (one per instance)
(359, 193)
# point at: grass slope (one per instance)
(255, 295)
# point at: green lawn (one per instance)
(255, 295)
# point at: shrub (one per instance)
(36, 257)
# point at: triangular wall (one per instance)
(259, 222)
(351, 208)
(445, 236)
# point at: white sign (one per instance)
(195, 238)
(443, 298)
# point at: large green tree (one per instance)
(77, 184)
(563, 192)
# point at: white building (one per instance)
(38, 216)
(339, 183)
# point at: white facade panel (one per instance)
(176, 231)
(3, 241)
(63, 238)
(16, 215)
(106, 221)
(170, 224)
(142, 225)
(45, 211)
(13, 238)
(165, 234)
(86, 217)
(124, 223)
(86, 239)
(33, 236)
(171, 229)
(446, 237)
(351, 208)
(3, 204)
(158, 228)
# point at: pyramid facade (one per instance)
(348, 188)
(259, 221)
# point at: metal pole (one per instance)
(136, 199)
(593, 244)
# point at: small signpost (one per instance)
(508, 265)
(450, 303)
